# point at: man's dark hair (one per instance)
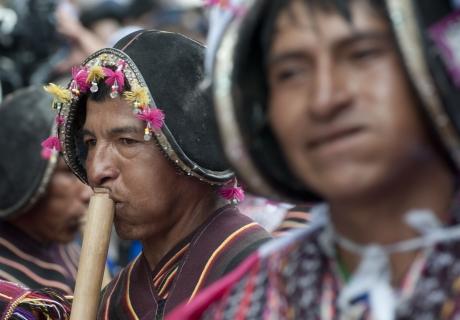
(101, 95)
(276, 7)
(104, 90)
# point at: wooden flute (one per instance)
(93, 256)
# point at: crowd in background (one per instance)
(41, 40)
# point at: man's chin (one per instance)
(125, 232)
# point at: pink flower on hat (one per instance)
(79, 75)
(153, 116)
(232, 193)
(113, 76)
(50, 145)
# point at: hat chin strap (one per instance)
(372, 279)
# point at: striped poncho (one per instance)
(211, 251)
(25, 261)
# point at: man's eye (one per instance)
(89, 142)
(288, 74)
(128, 141)
(365, 54)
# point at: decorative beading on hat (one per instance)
(86, 78)
(52, 145)
(154, 119)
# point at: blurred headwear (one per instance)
(158, 74)
(25, 120)
(427, 34)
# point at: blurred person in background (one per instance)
(41, 202)
(92, 25)
(86, 27)
(28, 39)
(183, 16)
(279, 217)
(137, 15)
(354, 102)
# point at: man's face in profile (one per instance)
(141, 181)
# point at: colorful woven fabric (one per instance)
(210, 252)
(20, 303)
(295, 218)
(296, 277)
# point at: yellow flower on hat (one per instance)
(95, 74)
(59, 93)
(139, 95)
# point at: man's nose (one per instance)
(101, 168)
(332, 93)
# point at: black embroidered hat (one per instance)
(159, 74)
(25, 120)
(427, 34)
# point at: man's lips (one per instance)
(331, 136)
(115, 198)
(117, 201)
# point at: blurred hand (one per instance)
(82, 41)
(70, 27)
